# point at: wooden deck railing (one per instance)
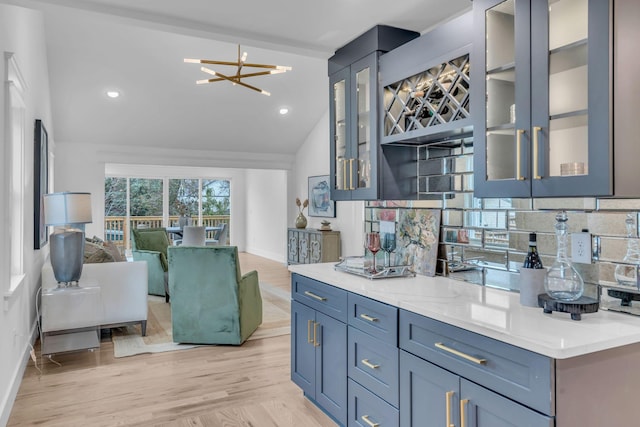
(117, 230)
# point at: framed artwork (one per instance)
(320, 203)
(40, 183)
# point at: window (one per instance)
(12, 189)
(134, 202)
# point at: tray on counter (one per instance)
(357, 266)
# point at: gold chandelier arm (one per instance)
(283, 68)
(241, 76)
(234, 80)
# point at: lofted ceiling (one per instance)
(138, 48)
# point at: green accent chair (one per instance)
(150, 245)
(211, 302)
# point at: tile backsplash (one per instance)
(484, 241)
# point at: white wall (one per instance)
(22, 32)
(313, 159)
(266, 215)
(81, 167)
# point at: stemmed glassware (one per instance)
(372, 242)
(388, 245)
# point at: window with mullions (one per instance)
(140, 202)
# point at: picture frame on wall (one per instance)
(320, 203)
(40, 183)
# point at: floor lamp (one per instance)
(67, 212)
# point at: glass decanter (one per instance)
(627, 275)
(563, 282)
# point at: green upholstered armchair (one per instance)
(150, 245)
(211, 302)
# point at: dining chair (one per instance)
(193, 235)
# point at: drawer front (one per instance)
(374, 365)
(374, 317)
(367, 410)
(325, 298)
(521, 375)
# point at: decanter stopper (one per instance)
(563, 282)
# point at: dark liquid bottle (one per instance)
(532, 260)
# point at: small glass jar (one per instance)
(563, 282)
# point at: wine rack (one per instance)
(435, 97)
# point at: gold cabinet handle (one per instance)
(368, 364)
(519, 133)
(351, 187)
(309, 339)
(460, 354)
(449, 396)
(370, 423)
(463, 412)
(369, 318)
(316, 343)
(314, 296)
(536, 131)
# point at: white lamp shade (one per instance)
(67, 208)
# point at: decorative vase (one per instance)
(182, 221)
(301, 221)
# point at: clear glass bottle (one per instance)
(626, 275)
(563, 282)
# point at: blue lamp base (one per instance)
(67, 256)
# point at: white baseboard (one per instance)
(274, 256)
(16, 379)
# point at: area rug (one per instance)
(128, 342)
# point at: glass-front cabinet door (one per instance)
(543, 130)
(353, 109)
(340, 102)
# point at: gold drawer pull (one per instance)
(370, 423)
(463, 412)
(460, 354)
(449, 396)
(314, 296)
(309, 339)
(369, 318)
(368, 364)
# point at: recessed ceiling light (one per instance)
(113, 93)
(284, 110)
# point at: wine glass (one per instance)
(388, 245)
(373, 244)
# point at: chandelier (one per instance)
(236, 79)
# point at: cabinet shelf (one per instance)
(568, 57)
(511, 66)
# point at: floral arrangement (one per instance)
(182, 208)
(301, 205)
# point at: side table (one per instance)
(71, 319)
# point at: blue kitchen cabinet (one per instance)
(354, 112)
(541, 99)
(432, 396)
(318, 345)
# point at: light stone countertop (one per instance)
(490, 312)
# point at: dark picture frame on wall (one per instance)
(40, 183)
(320, 203)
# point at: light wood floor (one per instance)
(206, 386)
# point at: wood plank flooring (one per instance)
(225, 386)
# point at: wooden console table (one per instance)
(309, 245)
